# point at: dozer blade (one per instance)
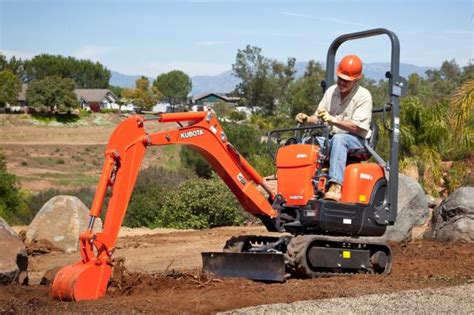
(255, 266)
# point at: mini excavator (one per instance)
(321, 237)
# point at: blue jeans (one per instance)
(339, 145)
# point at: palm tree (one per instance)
(461, 115)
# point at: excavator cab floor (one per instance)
(255, 266)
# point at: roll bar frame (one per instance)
(397, 84)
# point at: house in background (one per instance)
(162, 107)
(209, 99)
(97, 99)
(20, 106)
(21, 99)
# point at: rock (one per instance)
(453, 220)
(13, 258)
(60, 221)
(412, 210)
(4, 225)
(433, 202)
(418, 232)
(49, 275)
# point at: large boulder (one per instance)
(453, 220)
(413, 210)
(59, 222)
(13, 258)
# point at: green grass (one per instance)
(170, 157)
(60, 118)
(70, 180)
(45, 161)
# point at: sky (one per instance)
(202, 37)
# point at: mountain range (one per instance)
(226, 82)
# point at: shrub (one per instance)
(12, 200)
(457, 175)
(237, 116)
(246, 139)
(263, 164)
(145, 206)
(194, 161)
(152, 186)
(222, 109)
(198, 204)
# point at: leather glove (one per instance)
(324, 115)
(301, 118)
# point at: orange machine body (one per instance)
(296, 167)
(359, 182)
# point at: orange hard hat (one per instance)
(350, 68)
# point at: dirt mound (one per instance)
(125, 282)
(41, 247)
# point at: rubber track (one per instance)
(297, 263)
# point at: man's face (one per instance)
(344, 85)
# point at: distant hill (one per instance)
(125, 80)
(221, 83)
(226, 82)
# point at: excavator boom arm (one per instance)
(123, 157)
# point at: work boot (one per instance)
(334, 192)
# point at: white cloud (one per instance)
(91, 52)
(328, 19)
(191, 68)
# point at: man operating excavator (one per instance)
(347, 108)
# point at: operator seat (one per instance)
(359, 155)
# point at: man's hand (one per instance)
(301, 118)
(324, 115)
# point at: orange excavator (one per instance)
(322, 237)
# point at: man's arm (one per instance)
(347, 125)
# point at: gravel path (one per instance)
(452, 300)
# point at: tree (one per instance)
(142, 95)
(17, 66)
(117, 90)
(3, 62)
(174, 86)
(461, 115)
(85, 73)
(245, 138)
(10, 86)
(52, 93)
(265, 82)
(304, 93)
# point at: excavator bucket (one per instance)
(255, 266)
(81, 282)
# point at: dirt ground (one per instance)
(44, 156)
(164, 277)
(164, 265)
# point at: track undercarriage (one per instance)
(277, 258)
